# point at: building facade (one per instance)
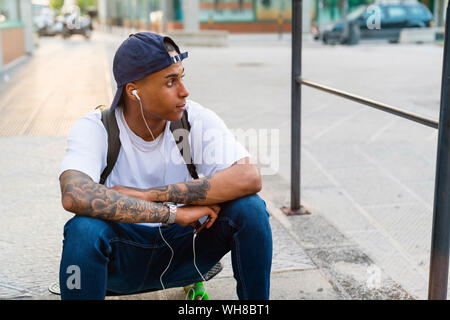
(16, 31)
(230, 15)
(233, 15)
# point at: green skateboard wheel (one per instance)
(196, 291)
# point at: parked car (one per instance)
(392, 17)
(82, 26)
(75, 23)
(46, 24)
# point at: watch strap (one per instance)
(172, 213)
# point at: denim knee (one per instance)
(86, 233)
(249, 211)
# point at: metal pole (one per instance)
(296, 103)
(437, 287)
(346, 33)
(372, 103)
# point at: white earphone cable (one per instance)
(195, 235)
(159, 227)
(195, 265)
(170, 261)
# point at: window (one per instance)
(9, 11)
(396, 13)
(418, 12)
(267, 3)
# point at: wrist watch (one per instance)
(172, 212)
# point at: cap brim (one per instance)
(117, 97)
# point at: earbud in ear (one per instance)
(134, 92)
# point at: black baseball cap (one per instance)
(141, 54)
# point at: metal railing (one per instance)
(439, 256)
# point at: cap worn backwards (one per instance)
(141, 54)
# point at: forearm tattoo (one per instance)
(83, 196)
(190, 192)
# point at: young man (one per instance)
(115, 240)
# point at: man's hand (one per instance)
(189, 215)
(186, 215)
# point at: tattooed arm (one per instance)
(239, 180)
(82, 196)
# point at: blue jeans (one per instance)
(100, 256)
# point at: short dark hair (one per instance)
(169, 46)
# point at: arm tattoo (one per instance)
(83, 196)
(190, 192)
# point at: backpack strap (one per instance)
(183, 123)
(110, 123)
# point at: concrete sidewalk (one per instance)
(32, 221)
(341, 251)
(312, 260)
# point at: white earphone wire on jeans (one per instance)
(159, 227)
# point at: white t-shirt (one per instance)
(143, 164)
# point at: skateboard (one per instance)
(195, 291)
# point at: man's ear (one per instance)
(129, 87)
